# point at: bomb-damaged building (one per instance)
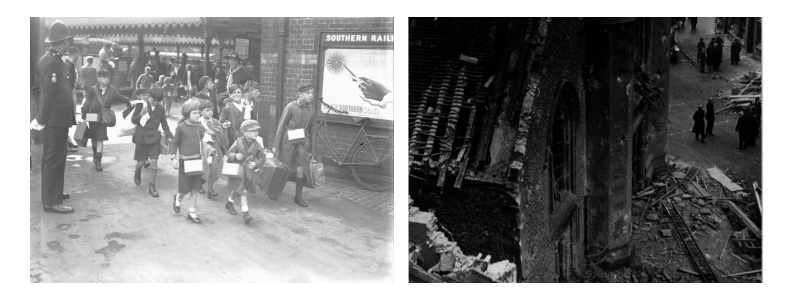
(528, 135)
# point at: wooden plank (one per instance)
(752, 226)
(758, 198)
(720, 177)
(700, 189)
(417, 272)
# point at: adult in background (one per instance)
(145, 80)
(693, 21)
(710, 117)
(69, 64)
(710, 56)
(701, 46)
(56, 114)
(736, 47)
(718, 47)
(296, 115)
(105, 55)
(701, 59)
(88, 76)
(96, 131)
(137, 68)
(236, 74)
(147, 138)
(699, 128)
(220, 77)
(744, 126)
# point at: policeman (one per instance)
(293, 154)
(55, 116)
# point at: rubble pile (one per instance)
(429, 247)
(744, 94)
(716, 214)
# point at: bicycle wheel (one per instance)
(379, 154)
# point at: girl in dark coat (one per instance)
(96, 130)
(736, 47)
(699, 128)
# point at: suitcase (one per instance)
(272, 176)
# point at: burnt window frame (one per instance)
(565, 110)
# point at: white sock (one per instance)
(178, 201)
(244, 208)
(230, 200)
(191, 210)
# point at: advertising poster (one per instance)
(359, 81)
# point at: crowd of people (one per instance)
(748, 125)
(218, 125)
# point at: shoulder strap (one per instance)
(99, 96)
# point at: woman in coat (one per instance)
(701, 59)
(736, 47)
(699, 128)
(96, 130)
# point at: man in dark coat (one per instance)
(220, 78)
(56, 115)
(719, 45)
(710, 117)
(700, 46)
(693, 21)
(710, 56)
(699, 128)
(736, 47)
(744, 126)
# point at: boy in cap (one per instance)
(247, 152)
(293, 154)
(147, 138)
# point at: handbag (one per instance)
(317, 170)
(79, 135)
(107, 117)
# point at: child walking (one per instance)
(147, 138)
(187, 143)
(216, 137)
(247, 152)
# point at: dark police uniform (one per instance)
(57, 114)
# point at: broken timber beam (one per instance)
(752, 226)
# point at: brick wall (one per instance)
(301, 58)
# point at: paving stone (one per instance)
(666, 232)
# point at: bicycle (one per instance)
(372, 162)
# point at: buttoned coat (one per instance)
(148, 134)
(56, 107)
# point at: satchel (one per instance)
(297, 136)
(107, 117)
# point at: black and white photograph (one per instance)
(597, 149)
(212, 149)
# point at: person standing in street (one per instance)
(55, 116)
(699, 128)
(296, 115)
(710, 117)
(147, 138)
(170, 93)
(701, 59)
(145, 80)
(736, 47)
(693, 21)
(718, 46)
(100, 96)
(710, 56)
(701, 46)
(220, 78)
(744, 127)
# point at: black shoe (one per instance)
(97, 164)
(212, 194)
(176, 208)
(152, 190)
(194, 219)
(229, 207)
(137, 177)
(64, 196)
(146, 164)
(59, 209)
(247, 217)
(201, 190)
(300, 201)
(273, 197)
